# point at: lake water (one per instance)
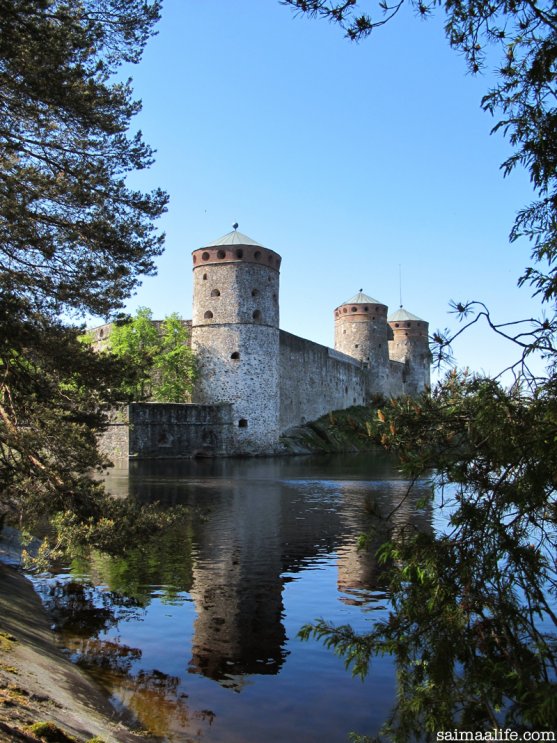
(198, 636)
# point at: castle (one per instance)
(257, 381)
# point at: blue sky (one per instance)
(347, 159)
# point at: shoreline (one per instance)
(38, 683)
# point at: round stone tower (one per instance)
(361, 331)
(409, 344)
(235, 335)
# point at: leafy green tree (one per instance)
(160, 359)
(74, 239)
(473, 626)
(137, 342)
(175, 367)
(473, 620)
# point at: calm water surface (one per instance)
(198, 635)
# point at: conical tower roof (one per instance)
(402, 315)
(361, 298)
(233, 238)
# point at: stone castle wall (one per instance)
(114, 442)
(238, 366)
(235, 337)
(309, 381)
(395, 385)
(410, 343)
(315, 379)
(239, 292)
(168, 430)
(256, 381)
(362, 332)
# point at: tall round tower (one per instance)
(410, 345)
(235, 335)
(361, 331)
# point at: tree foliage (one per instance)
(48, 412)
(473, 626)
(74, 239)
(175, 366)
(474, 613)
(73, 236)
(158, 355)
(135, 340)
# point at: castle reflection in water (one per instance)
(254, 525)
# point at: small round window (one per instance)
(257, 255)
(221, 254)
(205, 256)
(208, 315)
(215, 293)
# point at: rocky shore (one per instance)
(39, 684)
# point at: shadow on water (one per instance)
(214, 605)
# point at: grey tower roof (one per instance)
(233, 238)
(401, 315)
(361, 298)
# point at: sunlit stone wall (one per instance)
(410, 346)
(362, 332)
(315, 379)
(235, 337)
